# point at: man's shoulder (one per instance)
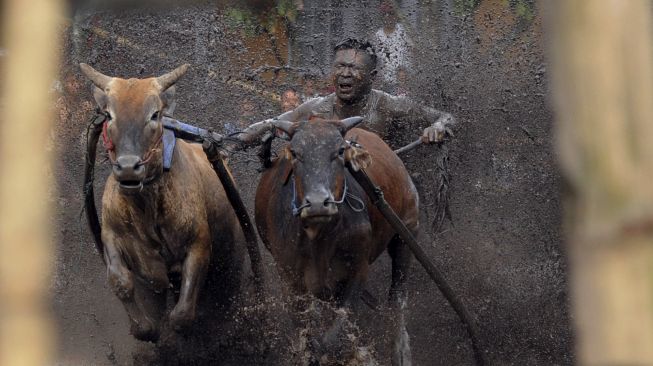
(319, 99)
(380, 95)
(389, 102)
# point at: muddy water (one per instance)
(482, 61)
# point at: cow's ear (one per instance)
(169, 101)
(286, 165)
(357, 157)
(100, 97)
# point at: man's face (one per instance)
(352, 77)
(289, 100)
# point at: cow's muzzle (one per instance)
(318, 207)
(129, 171)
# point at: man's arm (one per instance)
(438, 123)
(253, 134)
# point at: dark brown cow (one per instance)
(321, 228)
(156, 225)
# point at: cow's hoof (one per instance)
(144, 331)
(181, 319)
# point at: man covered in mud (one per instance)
(354, 70)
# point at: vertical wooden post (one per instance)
(26, 253)
(603, 90)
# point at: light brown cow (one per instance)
(156, 225)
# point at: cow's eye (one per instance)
(341, 151)
(155, 116)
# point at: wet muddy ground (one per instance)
(502, 252)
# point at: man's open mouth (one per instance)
(345, 87)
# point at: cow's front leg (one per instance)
(193, 274)
(348, 299)
(143, 307)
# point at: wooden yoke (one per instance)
(213, 154)
(93, 132)
(376, 196)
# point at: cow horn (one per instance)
(166, 81)
(351, 122)
(286, 126)
(99, 79)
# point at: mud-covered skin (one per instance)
(156, 225)
(352, 75)
(381, 111)
(331, 259)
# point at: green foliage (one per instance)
(465, 7)
(523, 9)
(252, 22)
(244, 20)
(287, 9)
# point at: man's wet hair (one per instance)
(289, 88)
(358, 44)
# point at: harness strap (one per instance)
(93, 133)
(107, 142)
(296, 210)
(148, 155)
(169, 143)
(377, 197)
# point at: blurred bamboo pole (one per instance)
(26, 253)
(603, 90)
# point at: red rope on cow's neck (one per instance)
(107, 142)
(148, 155)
